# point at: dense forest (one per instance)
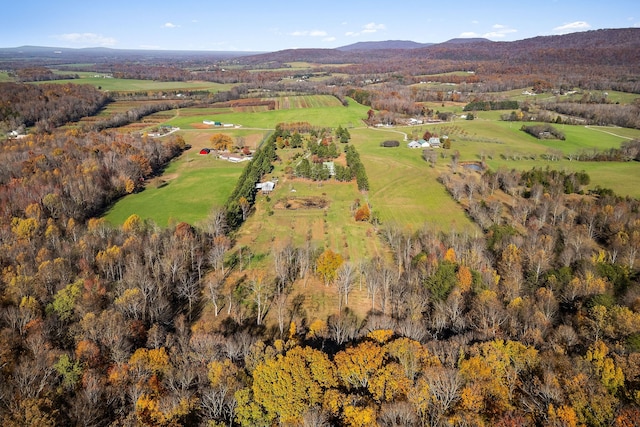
(535, 323)
(47, 106)
(532, 321)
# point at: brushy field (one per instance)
(329, 224)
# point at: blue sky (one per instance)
(274, 25)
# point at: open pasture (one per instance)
(102, 82)
(403, 187)
(319, 110)
(504, 145)
(188, 190)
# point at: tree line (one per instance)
(47, 106)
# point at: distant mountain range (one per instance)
(107, 54)
(402, 44)
(609, 45)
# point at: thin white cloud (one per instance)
(372, 27)
(312, 33)
(170, 25)
(572, 27)
(369, 28)
(468, 34)
(475, 21)
(500, 31)
(329, 39)
(87, 39)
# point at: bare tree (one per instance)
(445, 385)
(344, 282)
(343, 326)
(261, 294)
(214, 286)
(303, 258)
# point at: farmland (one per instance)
(321, 110)
(111, 84)
(487, 279)
(404, 189)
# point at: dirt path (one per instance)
(404, 134)
(607, 132)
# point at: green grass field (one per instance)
(124, 85)
(4, 77)
(187, 192)
(500, 142)
(404, 188)
(320, 110)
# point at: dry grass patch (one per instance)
(294, 203)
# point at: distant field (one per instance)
(4, 77)
(319, 110)
(118, 107)
(115, 85)
(501, 142)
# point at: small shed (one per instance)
(266, 187)
(390, 143)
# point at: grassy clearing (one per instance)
(4, 77)
(327, 223)
(404, 189)
(189, 189)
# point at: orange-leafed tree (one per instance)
(221, 141)
(363, 213)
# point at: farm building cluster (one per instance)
(226, 155)
(218, 124)
(433, 142)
